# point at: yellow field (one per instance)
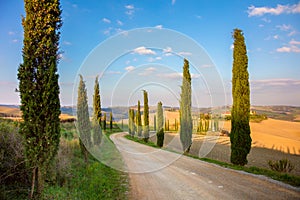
(271, 134)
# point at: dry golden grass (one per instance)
(15, 114)
(275, 134)
(10, 111)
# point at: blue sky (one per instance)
(271, 29)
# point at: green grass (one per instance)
(90, 181)
(141, 141)
(94, 180)
(283, 177)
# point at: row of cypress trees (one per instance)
(240, 129)
(40, 105)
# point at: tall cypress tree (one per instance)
(38, 86)
(104, 121)
(160, 125)
(110, 120)
(139, 120)
(146, 117)
(131, 126)
(186, 124)
(83, 121)
(240, 129)
(154, 123)
(97, 132)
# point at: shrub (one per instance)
(283, 165)
(13, 171)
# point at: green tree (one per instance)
(131, 122)
(83, 121)
(110, 121)
(186, 124)
(146, 117)
(139, 120)
(97, 132)
(154, 123)
(160, 125)
(240, 129)
(104, 121)
(39, 89)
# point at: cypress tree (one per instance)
(139, 120)
(160, 125)
(146, 117)
(186, 126)
(131, 127)
(154, 123)
(129, 121)
(97, 132)
(110, 120)
(83, 121)
(39, 89)
(240, 129)
(104, 121)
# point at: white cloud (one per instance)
(231, 47)
(143, 51)
(284, 27)
(279, 9)
(129, 10)
(120, 23)
(294, 42)
(288, 49)
(107, 31)
(291, 48)
(129, 68)
(184, 53)
(105, 20)
(276, 37)
(129, 7)
(159, 26)
(173, 2)
(292, 33)
(167, 50)
(261, 25)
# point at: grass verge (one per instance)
(90, 181)
(283, 177)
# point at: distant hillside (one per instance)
(287, 113)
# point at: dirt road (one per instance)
(158, 174)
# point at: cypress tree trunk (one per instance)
(83, 121)
(146, 117)
(186, 126)
(38, 86)
(240, 129)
